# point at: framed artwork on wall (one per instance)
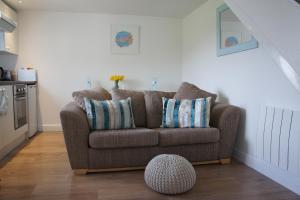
(125, 39)
(232, 35)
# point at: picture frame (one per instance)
(240, 38)
(125, 39)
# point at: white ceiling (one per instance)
(159, 8)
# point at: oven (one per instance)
(20, 105)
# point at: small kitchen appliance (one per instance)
(26, 74)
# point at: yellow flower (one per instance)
(121, 78)
(117, 78)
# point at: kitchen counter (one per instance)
(17, 82)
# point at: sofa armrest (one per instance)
(76, 133)
(226, 118)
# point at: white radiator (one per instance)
(278, 139)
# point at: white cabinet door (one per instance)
(9, 41)
(9, 137)
(7, 121)
(8, 11)
(32, 109)
(2, 6)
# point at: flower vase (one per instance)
(116, 84)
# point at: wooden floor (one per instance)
(41, 171)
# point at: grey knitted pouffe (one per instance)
(170, 174)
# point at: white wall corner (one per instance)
(280, 176)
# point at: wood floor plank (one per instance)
(40, 171)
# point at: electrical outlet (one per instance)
(154, 85)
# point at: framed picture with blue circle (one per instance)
(232, 34)
(125, 39)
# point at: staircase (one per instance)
(275, 24)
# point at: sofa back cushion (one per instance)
(96, 94)
(190, 91)
(109, 114)
(154, 107)
(137, 101)
(186, 113)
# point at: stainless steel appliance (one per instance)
(1, 74)
(20, 105)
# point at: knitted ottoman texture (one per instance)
(170, 174)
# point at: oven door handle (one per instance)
(20, 98)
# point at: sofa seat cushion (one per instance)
(139, 137)
(185, 136)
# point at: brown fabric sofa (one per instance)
(109, 150)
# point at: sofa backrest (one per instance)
(98, 93)
(154, 107)
(137, 101)
(190, 91)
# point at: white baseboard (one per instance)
(50, 127)
(281, 176)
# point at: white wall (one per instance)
(249, 79)
(69, 48)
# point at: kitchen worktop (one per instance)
(17, 82)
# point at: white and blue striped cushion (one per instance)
(186, 113)
(109, 114)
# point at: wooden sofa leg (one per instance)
(80, 171)
(225, 161)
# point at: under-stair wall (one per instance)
(276, 24)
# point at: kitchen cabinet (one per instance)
(32, 110)
(9, 137)
(8, 41)
(8, 11)
(7, 120)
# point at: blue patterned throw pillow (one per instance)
(109, 114)
(186, 113)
